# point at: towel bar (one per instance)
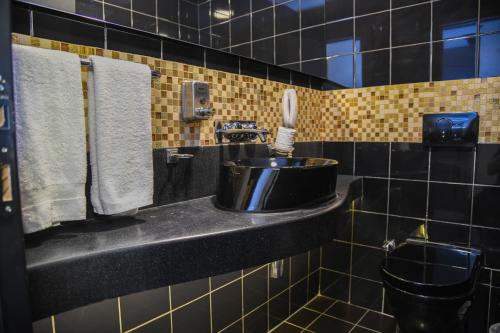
(155, 74)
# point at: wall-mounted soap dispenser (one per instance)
(195, 101)
(451, 129)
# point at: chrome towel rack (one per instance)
(155, 74)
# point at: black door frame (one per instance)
(14, 298)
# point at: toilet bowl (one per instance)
(430, 286)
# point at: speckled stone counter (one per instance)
(82, 263)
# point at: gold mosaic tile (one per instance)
(384, 113)
(394, 113)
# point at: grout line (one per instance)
(268, 299)
(351, 250)
(359, 321)
(387, 209)
(359, 306)
(349, 274)
(170, 308)
(472, 197)
(53, 323)
(242, 302)
(32, 27)
(477, 50)
(331, 316)
(118, 301)
(328, 308)
(210, 304)
(229, 325)
(431, 181)
(431, 40)
(145, 323)
(427, 195)
(290, 285)
(489, 300)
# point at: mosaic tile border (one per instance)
(377, 114)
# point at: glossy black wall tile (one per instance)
(488, 164)
(409, 161)
(67, 30)
(433, 193)
(405, 62)
(343, 152)
(372, 159)
(452, 164)
(375, 192)
(408, 198)
(373, 68)
(372, 32)
(450, 202)
(454, 59)
(133, 43)
(411, 25)
(414, 40)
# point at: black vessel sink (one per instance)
(274, 184)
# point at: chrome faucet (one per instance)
(240, 131)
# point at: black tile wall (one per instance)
(414, 40)
(221, 303)
(451, 193)
(140, 32)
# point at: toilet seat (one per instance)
(431, 269)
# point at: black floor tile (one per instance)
(345, 311)
(303, 317)
(287, 328)
(360, 330)
(379, 322)
(327, 324)
(320, 303)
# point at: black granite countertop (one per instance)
(74, 265)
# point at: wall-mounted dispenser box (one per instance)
(195, 101)
(451, 129)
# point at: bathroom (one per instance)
(250, 166)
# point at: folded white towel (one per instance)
(50, 130)
(120, 135)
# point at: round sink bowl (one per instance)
(275, 184)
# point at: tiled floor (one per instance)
(326, 315)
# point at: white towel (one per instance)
(50, 130)
(120, 135)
